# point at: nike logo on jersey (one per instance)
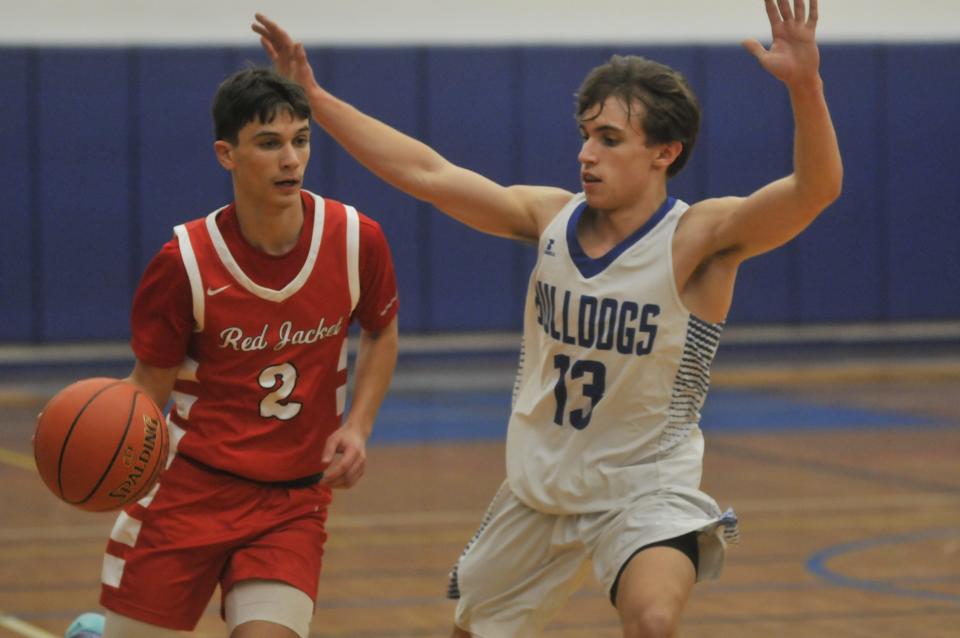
(216, 291)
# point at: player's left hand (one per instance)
(345, 458)
(793, 57)
(289, 57)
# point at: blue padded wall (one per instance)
(106, 149)
(19, 284)
(922, 185)
(470, 118)
(84, 132)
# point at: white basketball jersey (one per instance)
(613, 372)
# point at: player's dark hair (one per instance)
(255, 93)
(671, 111)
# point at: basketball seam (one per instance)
(116, 452)
(66, 441)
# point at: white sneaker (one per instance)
(88, 625)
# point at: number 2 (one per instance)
(579, 418)
(272, 405)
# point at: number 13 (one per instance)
(579, 418)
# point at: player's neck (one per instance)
(270, 229)
(601, 230)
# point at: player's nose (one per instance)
(289, 156)
(586, 154)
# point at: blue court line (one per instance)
(824, 467)
(739, 410)
(425, 417)
(817, 564)
(463, 416)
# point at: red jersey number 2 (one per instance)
(282, 379)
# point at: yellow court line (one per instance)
(17, 459)
(22, 628)
(12, 398)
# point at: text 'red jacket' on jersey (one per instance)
(264, 381)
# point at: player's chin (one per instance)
(596, 200)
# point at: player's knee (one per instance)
(650, 622)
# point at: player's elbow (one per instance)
(832, 182)
(833, 187)
(824, 192)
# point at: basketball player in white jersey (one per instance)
(623, 316)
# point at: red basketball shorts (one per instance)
(201, 528)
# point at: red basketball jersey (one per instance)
(264, 379)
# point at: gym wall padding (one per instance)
(105, 149)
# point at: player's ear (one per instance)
(224, 152)
(667, 153)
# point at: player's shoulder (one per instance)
(710, 211)
(714, 205)
(543, 203)
(172, 245)
(544, 200)
(330, 204)
(169, 258)
(170, 249)
(368, 224)
(370, 229)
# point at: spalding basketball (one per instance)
(100, 444)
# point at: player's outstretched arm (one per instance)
(519, 212)
(346, 448)
(779, 211)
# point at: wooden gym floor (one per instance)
(844, 470)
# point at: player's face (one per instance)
(616, 164)
(269, 159)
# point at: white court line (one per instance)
(22, 628)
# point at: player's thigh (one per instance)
(267, 609)
(290, 550)
(518, 570)
(118, 626)
(654, 588)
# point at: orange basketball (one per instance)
(100, 444)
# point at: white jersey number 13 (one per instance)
(593, 389)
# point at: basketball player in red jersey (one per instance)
(241, 319)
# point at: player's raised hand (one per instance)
(288, 56)
(793, 57)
